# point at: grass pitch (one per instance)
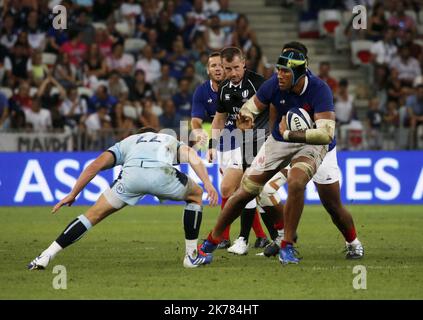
(137, 254)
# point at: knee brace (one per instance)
(269, 197)
(250, 186)
(307, 168)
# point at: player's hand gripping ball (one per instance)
(298, 119)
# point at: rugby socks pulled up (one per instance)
(247, 218)
(350, 235)
(258, 229)
(193, 214)
(74, 231)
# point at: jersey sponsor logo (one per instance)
(245, 94)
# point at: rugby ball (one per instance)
(298, 119)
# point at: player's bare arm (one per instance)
(188, 155)
(105, 161)
(324, 132)
(250, 109)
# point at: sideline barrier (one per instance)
(27, 179)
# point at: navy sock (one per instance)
(247, 218)
(193, 214)
(74, 231)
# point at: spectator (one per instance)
(198, 46)
(415, 49)
(37, 118)
(75, 48)
(198, 15)
(22, 100)
(243, 37)
(104, 41)
(73, 108)
(16, 64)
(215, 36)
(86, 29)
(166, 30)
(377, 23)
(116, 86)
(65, 72)
(384, 51)
(165, 86)
(148, 118)
(194, 79)
(391, 123)
(36, 36)
(36, 69)
(210, 7)
(129, 9)
(407, 66)
(158, 52)
(120, 61)
(395, 90)
(178, 59)
(255, 60)
(170, 118)
(95, 67)
(141, 89)
(414, 104)
(374, 125)
(176, 18)
(102, 98)
(183, 99)
(403, 22)
(182, 7)
(343, 111)
(149, 65)
(4, 112)
(324, 74)
(201, 65)
(8, 32)
(45, 95)
(227, 17)
(55, 39)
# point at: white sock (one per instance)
(53, 249)
(355, 242)
(191, 247)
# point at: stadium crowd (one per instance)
(124, 64)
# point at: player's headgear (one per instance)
(295, 62)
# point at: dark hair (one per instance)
(213, 54)
(296, 46)
(146, 129)
(229, 53)
(343, 82)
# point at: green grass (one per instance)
(137, 254)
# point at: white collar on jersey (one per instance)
(239, 85)
(211, 86)
(305, 85)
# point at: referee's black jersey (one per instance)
(230, 100)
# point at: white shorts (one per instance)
(328, 172)
(166, 183)
(231, 159)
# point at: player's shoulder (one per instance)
(317, 84)
(202, 88)
(253, 76)
(223, 84)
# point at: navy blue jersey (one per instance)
(316, 98)
(204, 105)
(204, 102)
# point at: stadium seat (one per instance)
(134, 45)
(360, 52)
(412, 14)
(49, 58)
(33, 91)
(328, 21)
(7, 92)
(341, 40)
(84, 91)
(123, 28)
(99, 25)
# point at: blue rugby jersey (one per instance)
(316, 98)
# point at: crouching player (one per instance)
(146, 160)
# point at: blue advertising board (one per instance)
(385, 177)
